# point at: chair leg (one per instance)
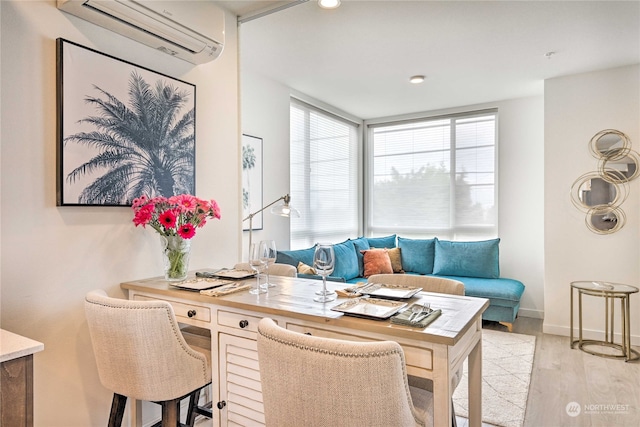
(454, 422)
(170, 413)
(117, 410)
(193, 404)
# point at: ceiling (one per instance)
(360, 56)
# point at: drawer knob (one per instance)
(244, 323)
(221, 404)
(191, 313)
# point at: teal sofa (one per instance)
(476, 264)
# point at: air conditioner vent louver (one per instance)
(193, 31)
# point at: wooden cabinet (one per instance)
(16, 379)
(240, 382)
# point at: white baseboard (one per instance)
(590, 334)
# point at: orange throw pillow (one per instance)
(376, 261)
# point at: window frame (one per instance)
(453, 232)
(335, 114)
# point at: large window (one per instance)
(324, 176)
(434, 177)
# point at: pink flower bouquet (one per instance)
(176, 215)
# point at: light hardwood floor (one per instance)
(561, 375)
(607, 391)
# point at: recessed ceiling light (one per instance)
(328, 4)
(416, 79)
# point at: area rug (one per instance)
(507, 359)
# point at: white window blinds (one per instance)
(434, 177)
(324, 176)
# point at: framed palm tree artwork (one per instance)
(123, 130)
(252, 180)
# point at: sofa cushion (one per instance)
(502, 292)
(294, 257)
(395, 255)
(468, 259)
(382, 242)
(417, 254)
(376, 261)
(346, 264)
(361, 244)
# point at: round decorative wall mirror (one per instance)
(610, 144)
(624, 169)
(605, 219)
(600, 193)
(591, 190)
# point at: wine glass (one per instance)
(256, 263)
(268, 254)
(324, 260)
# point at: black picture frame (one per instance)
(252, 191)
(123, 130)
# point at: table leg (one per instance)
(606, 319)
(441, 388)
(580, 317)
(571, 317)
(135, 408)
(626, 335)
(475, 384)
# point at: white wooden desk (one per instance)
(435, 352)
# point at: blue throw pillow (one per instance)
(382, 242)
(346, 260)
(417, 255)
(467, 259)
(293, 257)
(361, 244)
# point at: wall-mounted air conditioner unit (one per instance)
(189, 30)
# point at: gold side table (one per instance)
(610, 292)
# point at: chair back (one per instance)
(435, 284)
(139, 350)
(313, 381)
(276, 269)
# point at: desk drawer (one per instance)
(419, 360)
(238, 321)
(182, 310)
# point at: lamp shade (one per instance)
(286, 210)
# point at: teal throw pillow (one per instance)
(467, 259)
(382, 242)
(294, 257)
(346, 261)
(417, 255)
(361, 244)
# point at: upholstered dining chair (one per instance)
(313, 381)
(439, 285)
(427, 283)
(276, 269)
(140, 353)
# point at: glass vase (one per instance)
(175, 254)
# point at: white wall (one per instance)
(576, 108)
(52, 256)
(521, 169)
(265, 114)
